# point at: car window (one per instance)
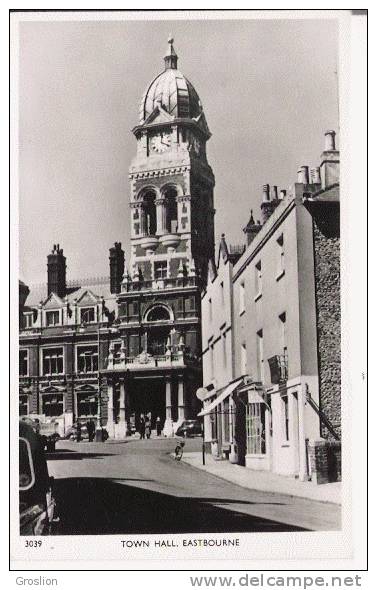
(26, 468)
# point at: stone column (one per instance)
(122, 401)
(181, 399)
(75, 405)
(143, 221)
(161, 216)
(168, 398)
(168, 426)
(110, 408)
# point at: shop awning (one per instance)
(220, 398)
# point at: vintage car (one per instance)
(36, 501)
(189, 428)
(46, 430)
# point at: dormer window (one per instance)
(87, 315)
(53, 318)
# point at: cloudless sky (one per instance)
(269, 92)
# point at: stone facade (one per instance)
(327, 280)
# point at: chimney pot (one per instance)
(303, 175)
(283, 194)
(330, 140)
(315, 176)
(266, 192)
(275, 193)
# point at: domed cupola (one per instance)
(172, 91)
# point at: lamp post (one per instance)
(200, 394)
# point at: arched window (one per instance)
(171, 210)
(150, 213)
(157, 314)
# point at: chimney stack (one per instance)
(303, 175)
(56, 272)
(269, 205)
(116, 267)
(330, 141)
(329, 168)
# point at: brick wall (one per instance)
(327, 279)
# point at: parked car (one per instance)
(189, 428)
(36, 500)
(46, 430)
(71, 433)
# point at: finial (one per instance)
(171, 57)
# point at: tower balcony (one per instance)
(145, 361)
(170, 240)
(149, 243)
(160, 284)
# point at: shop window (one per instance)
(256, 429)
(52, 318)
(87, 359)
(87, 315)
(23, 368)
(53, 361)
(52, 405)
(226, 421)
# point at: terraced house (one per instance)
(271, 362)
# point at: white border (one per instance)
(291, 549)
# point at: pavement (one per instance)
(265, 480)
(134, 486)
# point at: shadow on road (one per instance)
(103, 506)
(70, 455)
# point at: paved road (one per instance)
(135, 486)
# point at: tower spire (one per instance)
(171, 58)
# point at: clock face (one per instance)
(161, 142)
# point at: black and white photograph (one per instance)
(178, 362)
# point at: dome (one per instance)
(172, 91)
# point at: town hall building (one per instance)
(114, 349)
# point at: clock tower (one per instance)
(172, 225)
(154, 367)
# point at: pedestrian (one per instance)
(91, 429)
(178, 451)
(158, 426)
(78, 431)
(142, 426)
(148, 428)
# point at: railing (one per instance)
(278, 368)
(146, 360)
(159, 284)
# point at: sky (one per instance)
(269, 92)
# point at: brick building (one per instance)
(113, 349)
(280, 401)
